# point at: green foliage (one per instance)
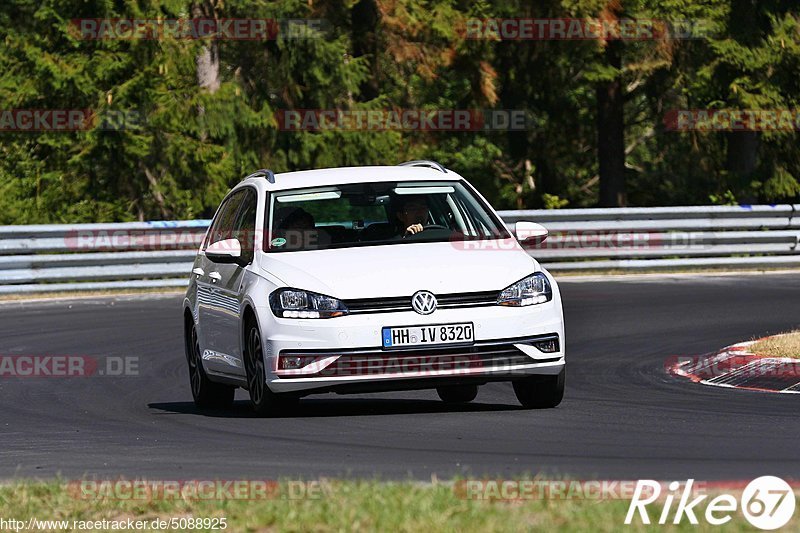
(727, 198)
(184, 144)
(551, 201)
(781, 185)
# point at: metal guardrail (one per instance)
(43, 258)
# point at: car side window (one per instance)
(222, 227)
(244, 227)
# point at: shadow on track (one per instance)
(338, 407)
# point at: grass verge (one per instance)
(346, 506)
(786, 345)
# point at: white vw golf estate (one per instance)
(369, 279)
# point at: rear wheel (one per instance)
(205, 392)
(457, 393)
(263, 400)
(540, 392)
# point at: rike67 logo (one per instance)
(767, 502)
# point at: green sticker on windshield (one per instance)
(280, 241)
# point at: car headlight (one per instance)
(535, 289)
(294, 303)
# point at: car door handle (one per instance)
(198, 271)
(215, 276)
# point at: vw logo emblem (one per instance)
(423, 302)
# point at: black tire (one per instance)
(264, 401)
(205, 392)
(540, 392)
(457, 393)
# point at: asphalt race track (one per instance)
(623, 417)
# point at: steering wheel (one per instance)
(435, 226)
(425, 227)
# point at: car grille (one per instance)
(486, 357)
(403, 303)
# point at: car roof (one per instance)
(337, 176)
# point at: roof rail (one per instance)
(424, 163)
(263, 173)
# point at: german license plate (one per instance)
(435, 335)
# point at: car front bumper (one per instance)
(348, 357)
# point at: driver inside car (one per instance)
(412, 215)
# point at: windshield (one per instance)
(366, 214)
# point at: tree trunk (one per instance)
(747, 27)
(741, 161)
(365, 16)
(166, 214)
(208, 67)
(208, 58)
(611, 132)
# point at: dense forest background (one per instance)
(202, 113)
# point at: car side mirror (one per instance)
(225, 251)
(530, 233)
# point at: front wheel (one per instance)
(263, 400)
(540, 392)
(205, 392)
